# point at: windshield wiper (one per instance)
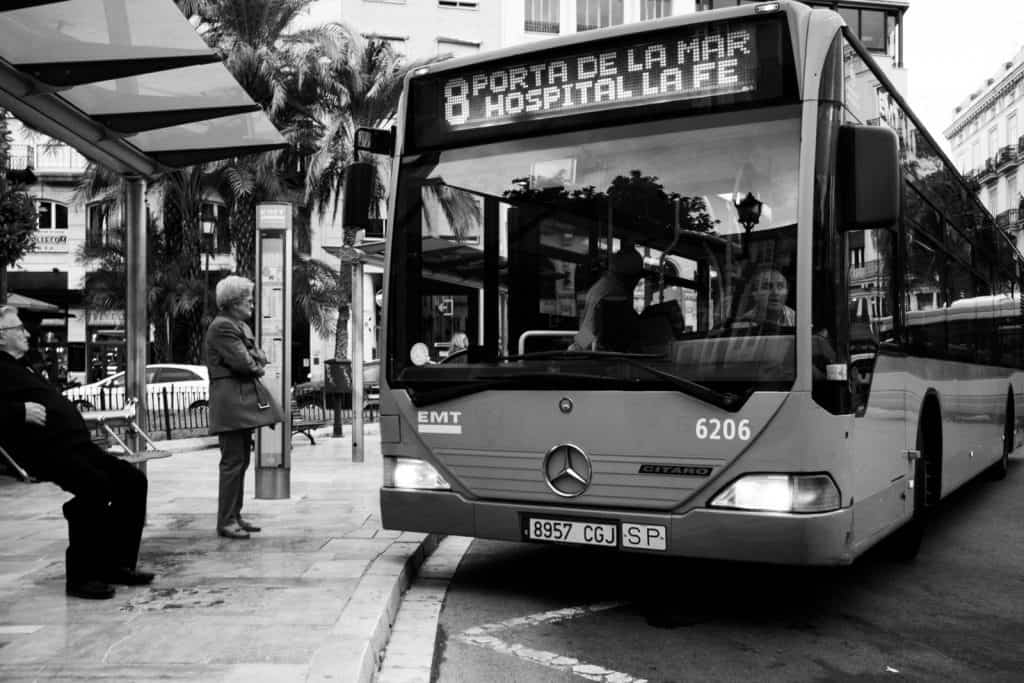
(706, 394)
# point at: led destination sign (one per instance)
(683, 69)
(708, 63)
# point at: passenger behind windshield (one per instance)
(764, 301)
(625, 269)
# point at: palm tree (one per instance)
(248, 34)
(171, 293)
(175, 286)
(358, 83)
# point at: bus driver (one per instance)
(625, 268)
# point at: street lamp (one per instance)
(748, 212)
(207, 226)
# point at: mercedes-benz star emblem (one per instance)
(567, 470)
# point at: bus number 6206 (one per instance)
(715, 429)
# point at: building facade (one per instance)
(426, 28)
(986, 143)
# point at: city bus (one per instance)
(664, 401)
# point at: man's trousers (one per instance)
(106, 516)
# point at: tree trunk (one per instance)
(243, 234)
(3, 282)
(344, 312)
(344, 300)
(196, 334)
(161, 344)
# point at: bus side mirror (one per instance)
(375, 140)
(869, 177)
(359, 182)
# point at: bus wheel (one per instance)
(999, 470)
(906, 542)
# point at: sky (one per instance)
(951, 47)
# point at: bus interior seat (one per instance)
(671, 313)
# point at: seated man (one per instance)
(765, 300)
(47, 436)
(624, 270)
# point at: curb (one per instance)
(359, 636)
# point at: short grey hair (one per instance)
(233, 289)
(7, 310)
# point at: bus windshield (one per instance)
(622, 257)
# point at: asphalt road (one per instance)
(538, 613)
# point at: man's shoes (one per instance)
(246, 526)
(233, 531)
(129, 577)
(91, 589)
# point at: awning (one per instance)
(27, 303)
(129, 83)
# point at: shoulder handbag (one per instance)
(260, 404)
(241, 403)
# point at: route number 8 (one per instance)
(714, 429)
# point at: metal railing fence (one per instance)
(177, 414)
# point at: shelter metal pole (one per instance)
(136, 319)
(357, 359)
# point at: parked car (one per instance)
(187, 386)
(311, 393)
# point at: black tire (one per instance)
(905, 543)
(82, 405)
(1001, 468)
(196, 405)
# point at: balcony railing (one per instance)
(1006, 218)
(537, 26)
(20, 157)
(46, 158)
(58, 159)
(871, 270)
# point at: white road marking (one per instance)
(483, 636)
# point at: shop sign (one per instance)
(105, 318)
(51, 241)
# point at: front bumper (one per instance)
(816, 539)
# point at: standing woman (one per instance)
(238, 400)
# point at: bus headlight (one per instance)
(411, 473)
(780, 493)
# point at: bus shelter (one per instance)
(133, 87)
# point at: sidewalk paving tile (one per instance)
(311, 597)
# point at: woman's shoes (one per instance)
(247, 526)
(233, 531)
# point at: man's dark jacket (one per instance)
(38, 449)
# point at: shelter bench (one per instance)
(301, 425)
(106, 420)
